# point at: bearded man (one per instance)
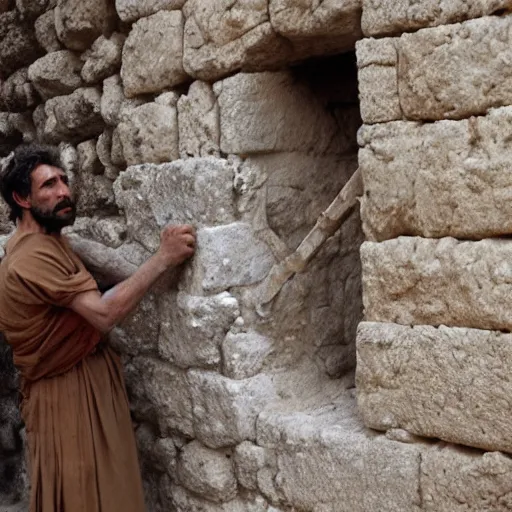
(81, 445)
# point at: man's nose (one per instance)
(63, 190)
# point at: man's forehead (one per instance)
(44, 172)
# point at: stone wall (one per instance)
(242, 118)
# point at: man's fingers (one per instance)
(190, 240)
(186, 229)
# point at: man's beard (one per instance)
(50, 220)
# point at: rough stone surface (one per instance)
(161, 394)
(249, 459)
(225, 410)
(317, 28)
(416, 281)
(395, 16)
(207, 472)
(56, 74)
(79, 23)
(222, 36)
(258, 113)
(18, 46)
(451, 178)
(446, 383)
(243, 354)
(104, 58)
(198, 121)
(228, 256)
(377, 62)
(17, 94)
(143, 192)
(75, 117)
(153, 54)
(30, 9)
(132, 10)
(114, 105)
(149, 134)
(194, 328)
(449, 72)
(46, 34)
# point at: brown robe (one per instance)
(82, 452)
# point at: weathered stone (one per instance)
(17, 94)
(193, 328)
(456, 480)
(46, 34)
(75, 117)
(377, 62)
(386, 17)
(222, 37)
(449, 72)
(451, 178)
(94, 194)
(317, 28)
(30, 9)
(184, 501)
(415, 281)
(225, 410)
(132, 10)
(104, 59)
(114, 105)
(109, 231)
(22, 122)
(88, 160)
(243, 354)
(160, 393)
(228, 256)
(18, 46)
(198, 121)
(249, 459)
(259, 114)
(160, 452)
(79, 24)
(56, 74)
(104, 151)
(150, 134)
(446, 383)
(144, 192)
(206, 472)
(153, 54)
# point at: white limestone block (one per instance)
(446, 383)
(45, 32)
(249, 459)
(132, 10)
(104, 58)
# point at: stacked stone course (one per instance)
(242, 118)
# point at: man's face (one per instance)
(51, 202)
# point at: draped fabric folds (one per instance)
(82, 455)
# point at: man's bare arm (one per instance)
(105, 311)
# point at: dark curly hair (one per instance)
(15, 176)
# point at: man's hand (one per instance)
(177, 244)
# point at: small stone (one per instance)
(46, 34)
(104, 59)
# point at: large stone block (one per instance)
(416, 281)
(144, 193)
(225, 410)
(222, 36)
(17, 94)
(79, 24)
(450, 178)
(114, 105)
(46, 34)
(153, 54)
(18, 45)
(446, 383)
(104, 59)
(161, 394)
(206, 472)
(449, 72)
(386, 17)
(272, 112)
(317, 28)
(75, 117)
(228, 256)
(149, 134)
(377, 60)
(198, 121)
(56, 74)
(193, 328)
(132, 10)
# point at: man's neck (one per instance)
(27, 224)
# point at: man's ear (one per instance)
(24, 202)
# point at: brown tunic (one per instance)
(80, 439)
